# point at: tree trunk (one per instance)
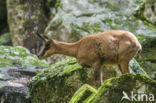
(25, 19)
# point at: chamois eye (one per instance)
(47, 46)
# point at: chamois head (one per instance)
(47, 47)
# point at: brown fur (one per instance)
(95, 50)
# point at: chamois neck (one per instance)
(69, 49)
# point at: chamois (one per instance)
(95, 50)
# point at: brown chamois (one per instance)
(107, 48)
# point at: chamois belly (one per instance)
(97, 51)
(109, 60)
(108, 54)
(88, 58)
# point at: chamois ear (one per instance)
(43, 37)
(46, 37)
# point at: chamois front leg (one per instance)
(98, 74)
(124, 67)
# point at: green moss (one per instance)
(149, 55)
(146, 41)
(112, 6)
(5, 62)
(57, 69)
(58, 4)
(5, 38)
(53, 3)
(150, 26)
(90, 28)
(64, 67)
(84, 94)
(112, 89)
(18, 56)
(64, 78)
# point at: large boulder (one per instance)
(77, 18)
(17, 66)
(141, 89)
(73, 19)
(60, 81)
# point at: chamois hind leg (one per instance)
(98, 74)
(124, 67)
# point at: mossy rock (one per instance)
(112, 90)
(148, 60)
(84, 94)
(19, 57)
(61, 80)
(17, 66)
(115, 88)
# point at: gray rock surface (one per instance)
(17, 66)
(13, 84)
